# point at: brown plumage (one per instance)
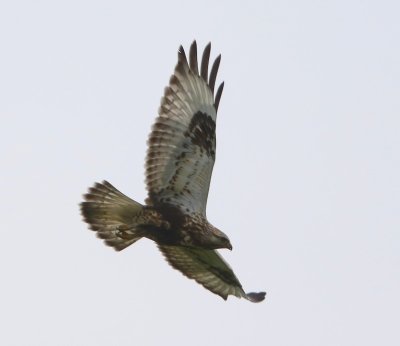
(179, 163)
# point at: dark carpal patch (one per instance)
(201, 131)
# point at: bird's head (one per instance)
(218, 239)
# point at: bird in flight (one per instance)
(179, 163)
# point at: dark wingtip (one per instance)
(193, 58)
(218, 95)
(256, 297)
(182, 55)
(214, 72)
(204, 62)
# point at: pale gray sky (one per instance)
(306, 182)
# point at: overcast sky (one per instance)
(306, 182)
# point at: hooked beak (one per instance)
(229, 246)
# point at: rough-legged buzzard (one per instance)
(180, 159)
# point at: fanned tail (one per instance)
(112, 215)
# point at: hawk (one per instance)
(179, 163)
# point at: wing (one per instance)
(209, 269)
(181, 152)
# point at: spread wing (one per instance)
(209, 269)
(181, 152)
